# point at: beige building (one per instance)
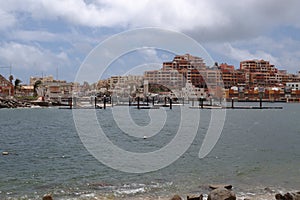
(33, 79)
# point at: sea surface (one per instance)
(257, 149)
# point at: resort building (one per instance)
(293, 85)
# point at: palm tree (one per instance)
(11, 78)
(36, 86)
(17, 84)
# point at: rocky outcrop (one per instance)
(12, 103)
(221, 194)
(288, 196)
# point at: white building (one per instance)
(293, 85)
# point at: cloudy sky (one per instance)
(41, 37)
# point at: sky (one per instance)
(53, 37)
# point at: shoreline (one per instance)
(110, 194)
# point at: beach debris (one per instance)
(195, 197)
(176, 197)
(221, 194)
(5, 153)
(226, 186)
(47, 197)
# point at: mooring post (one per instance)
(95, 102)
(147, 99)
(260, 102)
(104, 102)
(138, 102)
(232, 102)
(70, 102)
(152, 101)
(75, 102)
(170, 99)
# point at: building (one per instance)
(6, 87)
(168, 78)
(44, 79)
(293, 85)
(232, 77)
(125, 86)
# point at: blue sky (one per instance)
(44, 36)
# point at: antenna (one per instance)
(7, 67)
(56, 73)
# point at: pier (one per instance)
(146, 103)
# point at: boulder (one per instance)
(288, 196)
(229, 187)
(221, 194)
(195, 197)
(47, 197)
(176, 197)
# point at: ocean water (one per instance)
(257, 149)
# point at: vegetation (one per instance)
(36, 85)
(156, 88)
(17, 84)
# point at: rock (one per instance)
(288, 196)
(297, 196)
(267, 189)
(279, 197)
(176, 197)
(229, 187)
(47, 197)
(195, 198)
(221, 194)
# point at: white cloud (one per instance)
(239, 54)
(209, 19)
(30, 35)
(29, 57)
(7, 20)
(240, 27)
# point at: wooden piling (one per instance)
(260, 102)
(104, 102)
(70, 102)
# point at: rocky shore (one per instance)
(216, 192)
(13, 103)
(225, 192)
